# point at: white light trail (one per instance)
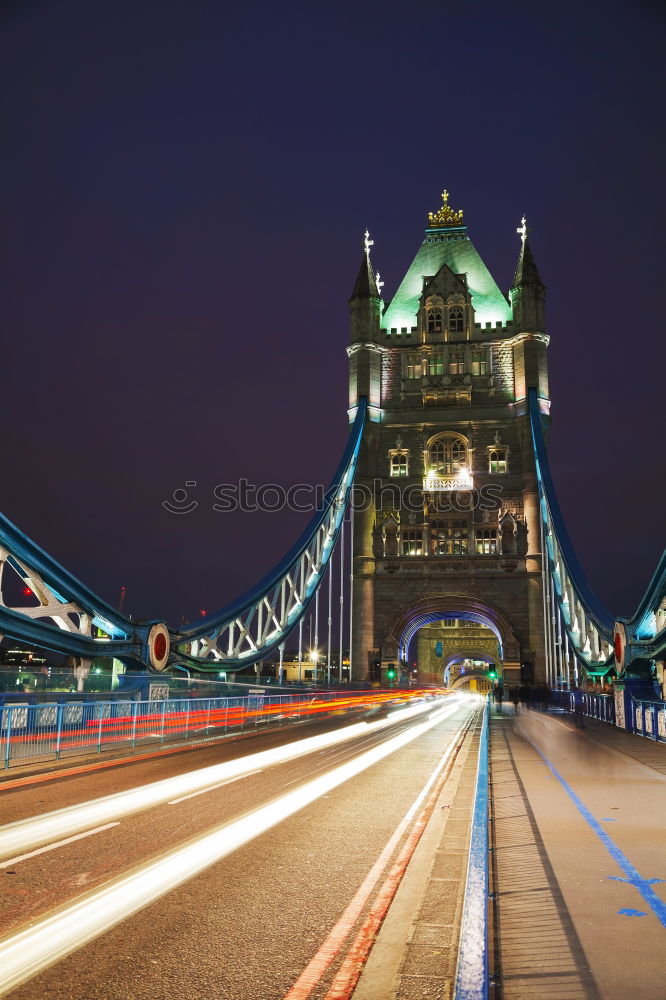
(25, 834)
(212, 788)
(25, 954)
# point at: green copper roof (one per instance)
(457, 251)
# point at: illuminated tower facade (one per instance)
(446, 521)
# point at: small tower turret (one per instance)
(365, 310)
(528, 292)
(528, 297)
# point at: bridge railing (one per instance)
(595, 706)
(648, 718)
(472, 977)
(33, 733)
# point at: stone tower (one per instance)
(446, 514)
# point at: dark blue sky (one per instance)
(184, 186)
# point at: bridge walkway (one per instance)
(578, 865)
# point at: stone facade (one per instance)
(448, 525)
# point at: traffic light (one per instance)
(493, 674)
(390, 673)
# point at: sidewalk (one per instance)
(415, 954)
(578, 860)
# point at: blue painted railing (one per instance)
(472, 971)
(595, 706)
(647, 718)
(51, 731)
(643, 716)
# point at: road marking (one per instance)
(51, 938)
(42, 829)
(52, 847)
(317, 966)
(211, 788)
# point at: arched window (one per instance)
(412, 542)
(435, 366)
(448, 455)
(399, 463)
(456, 319)
(434, 320)
(486, 541)
(497, 460)
(449, 537)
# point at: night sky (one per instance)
(184, 190)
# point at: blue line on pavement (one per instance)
(643, 885)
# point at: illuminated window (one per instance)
(457, 364)
(486, 541)
(449, 537)
(479, 364)
(412, 543)
(399, 463)
(435, 366)
(448, 455)
(497, 460)
(434, 320)
(414, 371)
(456, 319)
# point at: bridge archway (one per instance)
(436, 608)
(432, 609)
(491, 663)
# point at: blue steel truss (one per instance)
(575, 618)
(67, 617)
(581, 623)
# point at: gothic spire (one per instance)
(366, 283)
(527, 272)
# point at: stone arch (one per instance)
(474, 654)
(431, 609)
(463, 679)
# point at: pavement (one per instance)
(579, 860)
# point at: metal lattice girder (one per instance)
(260, 621)
(588, 625)
(65, 615)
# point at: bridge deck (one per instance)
(579, 855)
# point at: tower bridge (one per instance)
(442, 554)
(449, 409)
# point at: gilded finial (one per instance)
(446, 216)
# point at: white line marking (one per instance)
(38, 830)
(220, 784)
(52, 847)
(52, 937)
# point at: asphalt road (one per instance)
(245, 927)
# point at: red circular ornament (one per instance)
(617, 647)
(160, 646)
